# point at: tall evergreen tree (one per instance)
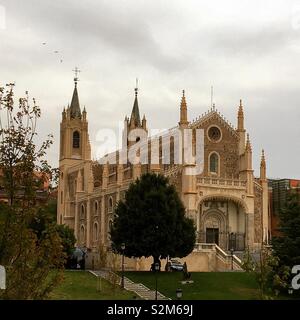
(151, 221)
(287, 245)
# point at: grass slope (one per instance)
(206, 286)
(82, 285)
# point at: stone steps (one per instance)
(141, 290)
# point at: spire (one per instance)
(248, 144)
(241, 117)
(144, 122)
(75, 106)
(263, 166)
(183, 111)
(84, 114)
(135, 119)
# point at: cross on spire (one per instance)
(76, 71)
(136, 86)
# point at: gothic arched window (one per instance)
(110, 204)
(76, 139)
(95, 231)
(214, 163)
(82, 212)
(82, 234)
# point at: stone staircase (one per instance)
(142, 291)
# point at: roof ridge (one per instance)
(211, 112)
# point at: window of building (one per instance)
(76, 139)
(96, 207)
(110, 204)
(82, 211)
(214, 163)
(95, 231)
(82, 234)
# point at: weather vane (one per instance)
(76, 71)
(136, 85)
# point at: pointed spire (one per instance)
(241, 106)
(75, 106)
(263, 156)
(135, 119)
(240, 126)
(263, 166)
(144, 122)
(248, 144)
(64, 114)
(84, 114)
(183, 110)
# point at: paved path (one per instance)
(141, 290)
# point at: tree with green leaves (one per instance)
(31, 252)
(151, 221)
(287, 245)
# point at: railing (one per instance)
(227, 240)
(221, 182)
(204, 246)
(221, 254)
(228, 258)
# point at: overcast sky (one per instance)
(245, 49)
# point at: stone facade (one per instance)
(228, 205)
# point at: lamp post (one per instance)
(179, 294)
(231, 251)
(156, 269)
(123, 249)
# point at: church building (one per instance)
(227, 203)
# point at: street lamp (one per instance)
(156, 269)
(179, 294)
(123, 249)
(231, 251)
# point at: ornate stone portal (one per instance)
(223, 223)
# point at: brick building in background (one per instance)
(42, 192)
(279, 190)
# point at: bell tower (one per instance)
(74, 139)
(133, 123)
(75, 149)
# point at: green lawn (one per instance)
(82, 285)
(206, 286)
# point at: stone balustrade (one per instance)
(211, 181)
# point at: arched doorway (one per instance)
(213, 227)
(222, 220)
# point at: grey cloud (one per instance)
(90, 26)
(170, 46)
(252, 41)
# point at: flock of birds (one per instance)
(55, 52)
